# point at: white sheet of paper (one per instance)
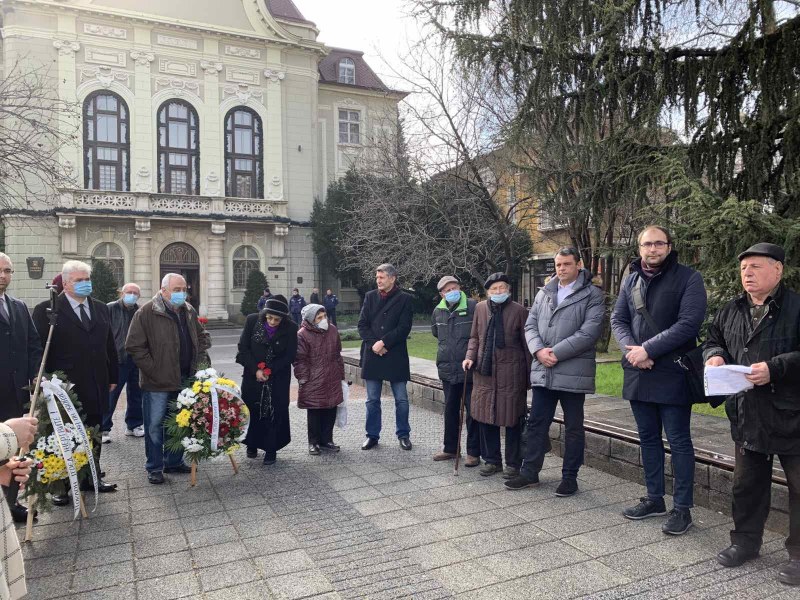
(726, 380)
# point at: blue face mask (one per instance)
(499, 298)
(453, 296)
(83, 289)
(130, 299)
(178, 298)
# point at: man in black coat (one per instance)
(20, 355)
(761, 329)
(330, 302)
(384, 325)
(451, 324)
(83, 348)
(653, 334)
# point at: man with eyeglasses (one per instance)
(657, 319)
(20, 355)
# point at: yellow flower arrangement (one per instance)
(183, 417)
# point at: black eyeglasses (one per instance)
(659, 244)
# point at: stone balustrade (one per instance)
(149, 204)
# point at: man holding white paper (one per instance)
(761, 329)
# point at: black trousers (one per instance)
(752, 487)
(320, 425)
(452, 410)
(490, 445)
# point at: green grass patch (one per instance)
(421, 344)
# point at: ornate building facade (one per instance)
(207, 130)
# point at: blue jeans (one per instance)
(537, 433)
(675, 420)
(374, 407)
(155, 406)
(128, 375)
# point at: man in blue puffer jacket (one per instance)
(561, 331)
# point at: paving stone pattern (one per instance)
(379, 524)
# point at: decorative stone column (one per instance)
(212, 136)
(216, 307)
(143, 260)
(279, 241)
(67, 84)
(69, 235)
(273, 128)
(143, 129)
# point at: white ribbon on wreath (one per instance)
(215, 389)
(53, 392)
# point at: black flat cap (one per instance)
(765, 249)
(494, 278)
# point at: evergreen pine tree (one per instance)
(104, 286)
(256, 282)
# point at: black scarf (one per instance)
(264, 406)
(495, 336)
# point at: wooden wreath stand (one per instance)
(193, 475)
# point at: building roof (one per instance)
(365, 76)
(285, 9)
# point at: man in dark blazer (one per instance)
(20, 355)
(384, 325)
(83, 348)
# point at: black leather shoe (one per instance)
(60, 499)
(270, 460)
(735, 556)
(405, 443)
(790, 572)
(20, 514)
(252, 453)
(369, 443)
(313, 450)
(156, 477)
(181, 468)
(102, 487)
(330, 447)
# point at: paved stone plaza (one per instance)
(380, 524)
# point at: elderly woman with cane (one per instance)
(267, 347)
(319, 369)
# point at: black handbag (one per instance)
(691, 362)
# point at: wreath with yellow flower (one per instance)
(201, 430)
(49, 474)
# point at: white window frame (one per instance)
(349, 112)
(347, 71)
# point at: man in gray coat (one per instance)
(561, 331)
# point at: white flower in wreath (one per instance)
(191, 444)
(206, 374)
(186, 398)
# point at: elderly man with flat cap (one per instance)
(451, 324)
(761, 329)
(499, 353)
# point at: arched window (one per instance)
(112, 256)
(245, 261)
(347, 71)
(106, 144)
(244, 154)
(178, 149)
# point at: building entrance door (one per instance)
(182, 259)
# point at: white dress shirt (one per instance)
(75, 304)
(564, 291)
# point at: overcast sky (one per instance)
(378, 27)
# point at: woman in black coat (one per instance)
(267, 349)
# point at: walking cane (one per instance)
(460, 421)
(52, 317)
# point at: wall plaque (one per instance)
(35, 266)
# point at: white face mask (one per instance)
(323, 324)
